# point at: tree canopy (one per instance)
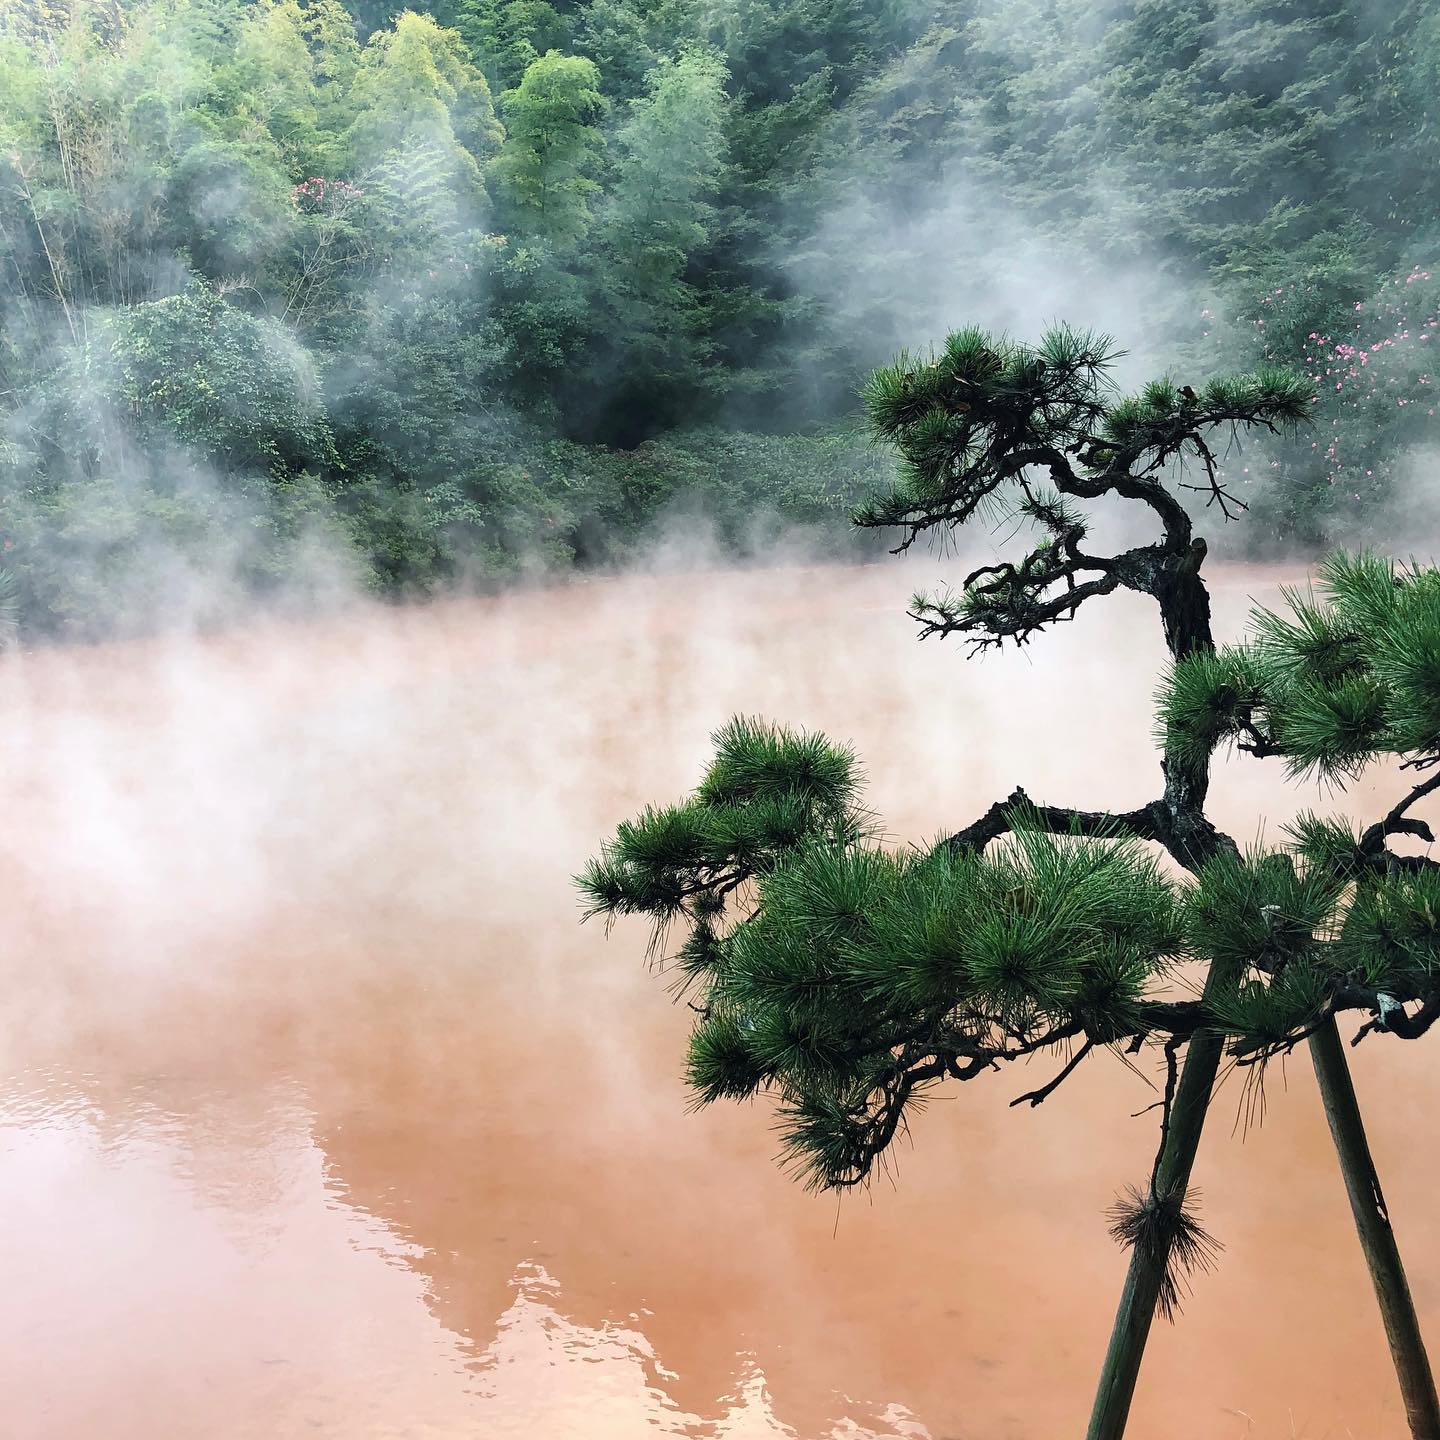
(849, 979)
(551, 148)
(662, 222)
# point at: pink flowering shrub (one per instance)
(1376, 377)
(1376, 367)
(318, 196)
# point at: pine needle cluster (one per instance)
(1022, 434)
(984, 408)
(1390, 941)
(1162, 1227)
(1340, 675)
(845, 978)
(766, 792)
(962, 418)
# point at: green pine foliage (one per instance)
(1298, 935)
(846, 980)
(957, 416)
(1341, 677)
(765, 792)
(829, 971)
(1261, 912)
(1324, 841)
(1391, 935)
(977, 424)
(1346, 672)
(1205, 700)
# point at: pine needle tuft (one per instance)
(1161, 1229)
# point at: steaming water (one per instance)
(324, 1117)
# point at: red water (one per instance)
(322, 1116)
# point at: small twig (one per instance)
(1421, 762)
(1262, 1053)
(1172, 1079)
(1038, 1097)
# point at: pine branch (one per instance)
(1394, 1019)
(1398, 822)
(1167, 1105)
(1001, 819)
(1038, 1097)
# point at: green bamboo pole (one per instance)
(1147, 1266)
(1377, 1239)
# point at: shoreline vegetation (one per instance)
(297, 297)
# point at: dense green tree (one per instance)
(545, 184)
(232, 387)
(667, 168)
(506, 37)
(417, 94)
(86, 144)
(672, 239)
(545, 171)
(273, 80)
(415, 406)
(620, 37)
(1251, 97)
(330, 36)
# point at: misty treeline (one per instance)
(291, 291)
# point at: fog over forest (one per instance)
(298, 301)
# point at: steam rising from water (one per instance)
(325, 1118)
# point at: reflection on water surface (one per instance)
(323, 1117)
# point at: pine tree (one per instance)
(848, 979)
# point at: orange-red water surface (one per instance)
(322, 1115)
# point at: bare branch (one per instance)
(1398, 822)
(1001, 817)
(1038, 1097)
(1167, 1105)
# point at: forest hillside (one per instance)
(299, 294)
